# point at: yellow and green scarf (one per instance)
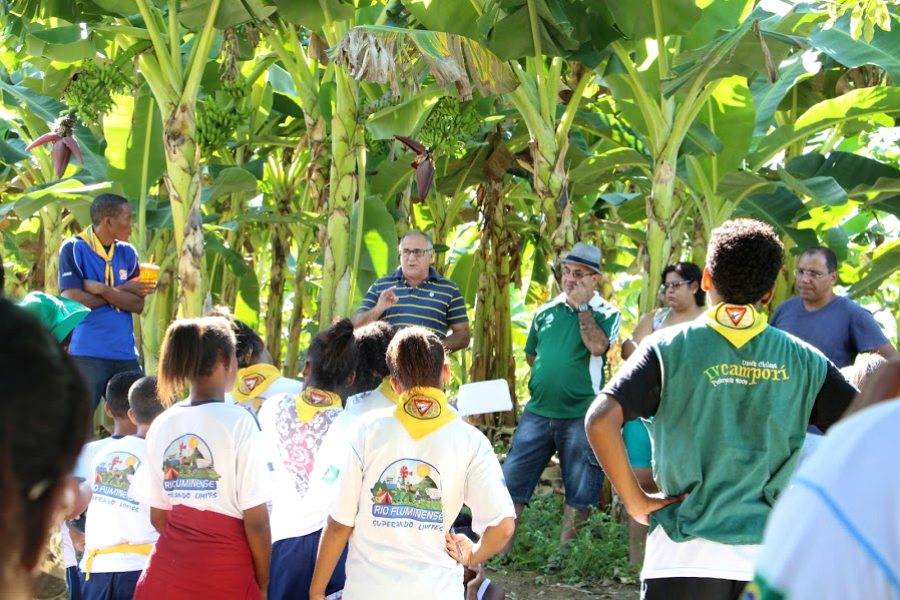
(91, 240)
(423, 410)
(737, 323)
(253, 381)
(386, 389)
(312, 400)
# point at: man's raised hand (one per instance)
(387, 299)
(582, 292)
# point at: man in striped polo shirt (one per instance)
(415, 294)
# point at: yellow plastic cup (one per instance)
(149, 272)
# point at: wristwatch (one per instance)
(583, 308)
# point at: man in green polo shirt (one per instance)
(415, 295)
(566, 348)
(730, 400)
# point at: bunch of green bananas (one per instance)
(217, 122)
(90, 91)
(234, 88)
(375, 147)
(449, 125)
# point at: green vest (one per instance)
(730, 424)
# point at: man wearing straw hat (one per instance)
(100, 269)
(566, 348)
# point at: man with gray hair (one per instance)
(837, 326)
(415, 295)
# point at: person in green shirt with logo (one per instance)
(731, 399)
(566, 349)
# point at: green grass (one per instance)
(600, 550)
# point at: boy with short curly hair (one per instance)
(731, 399)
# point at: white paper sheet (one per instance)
(484, 397)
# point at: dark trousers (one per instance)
(692, 588)
(74, 581)
(98, 371)
(293, 563)
(109, 586)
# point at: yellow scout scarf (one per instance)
(423, 410)
(253, 381)
(312, 400)
(143, 549)
(738, 323)
(91, 240)
(386, 389)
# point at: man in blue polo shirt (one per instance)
(415, 294)
(99, 269)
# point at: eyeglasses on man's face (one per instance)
(674, 285)
(417, 252)
(576, 273)
(815, 275)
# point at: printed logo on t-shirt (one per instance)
(188, 465)
(331, 474)
(422, 407)
(759, 589)
(408, 490)
(123, 274)
(113, 475)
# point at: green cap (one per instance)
(59, 315)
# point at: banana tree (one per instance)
(391, 56)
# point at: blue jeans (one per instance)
(98, 371)
(535, 441)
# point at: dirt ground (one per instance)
(520, 585)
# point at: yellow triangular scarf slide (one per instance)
(253, 381)
(312, 400)
(91, 240)
(737, 323)
(386, 389)
(423, 410)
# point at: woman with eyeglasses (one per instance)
(686, 300)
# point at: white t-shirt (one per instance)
(82, 469)
(87, 455)
(113, 516)
(69, 557)
(282, 385)
(360, 404)
(401, 495)
(301, 484)
(697, 558)
(207, 457)
(835, 533)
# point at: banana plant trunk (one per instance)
(292, 363)
(159, 310)
(281, 246)
(183, 181)
(660, 213)
(54, 230)
(493, 349)
(343, 189)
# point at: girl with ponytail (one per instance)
(303, 432)
(202, 475)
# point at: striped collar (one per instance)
(432, 275)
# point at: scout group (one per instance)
(224, 479)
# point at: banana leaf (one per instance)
(390, 55)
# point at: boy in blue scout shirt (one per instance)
(100, 270)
